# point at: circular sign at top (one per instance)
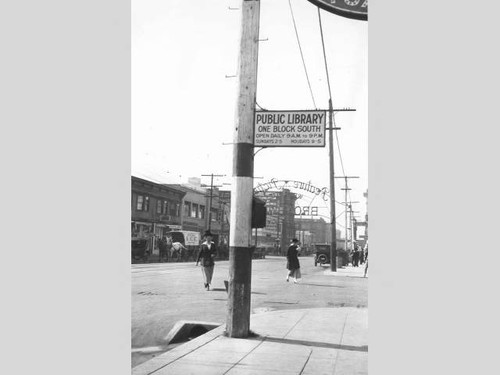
(355, 9)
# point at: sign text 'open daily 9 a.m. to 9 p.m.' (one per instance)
(289, 129)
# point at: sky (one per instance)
(184, 59)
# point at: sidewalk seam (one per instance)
(176, 359)
(340, 344)
(305, 364)
(298, 321)
(241, 359)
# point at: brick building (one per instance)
(156, 209)
(280, 221)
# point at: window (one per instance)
(158, 206)
(165, 207)
(214, 214)
(140, 202)
(194, 210)
(187, 209)
(202, 212)
(175, 209)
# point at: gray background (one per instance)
(433, 189)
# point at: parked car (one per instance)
(258, 253)
(321, 254)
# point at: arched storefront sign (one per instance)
(355, 9)
(274, 184)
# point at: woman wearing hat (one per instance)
(292, 263)
(206, 255)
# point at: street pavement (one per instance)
(321, 335)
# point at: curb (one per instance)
(184, 329)
(173, 355)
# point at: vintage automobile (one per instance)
(258, 252)
(139, 249)
(321, 254)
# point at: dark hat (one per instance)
(295, 240)
(207, 233)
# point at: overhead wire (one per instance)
(330, 96)
(324, 54)
(301, 54)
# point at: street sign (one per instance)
(289, 128)
(355, 9)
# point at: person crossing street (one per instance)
(207, 254)
(293, 264)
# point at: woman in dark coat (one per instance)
(207, 254)
(292, 263)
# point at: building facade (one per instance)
(280, 220)
(203, 209)
(156, 210)
(311, 230)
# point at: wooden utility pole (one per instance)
(211, 196)
(240, 257)
(346, 190)
(333, 219)
(333, 246)
(351, 227)
(346, 227)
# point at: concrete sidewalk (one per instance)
(307, 341)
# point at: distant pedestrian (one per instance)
(361, 256)
(355, 255)
(162, 245)
(366, 259)
(149, 245)
(292, 263)
(168, 242)
(207, 254)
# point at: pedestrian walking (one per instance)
(366, 259)
(168, 242)
(206, 256)
(162, 245)
(355, 256)
(292, 264)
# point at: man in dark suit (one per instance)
(207, 255)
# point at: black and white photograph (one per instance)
(249, 187)
(185, 187)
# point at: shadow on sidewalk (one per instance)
(326, 285)
(224, 290)
(363, 348)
